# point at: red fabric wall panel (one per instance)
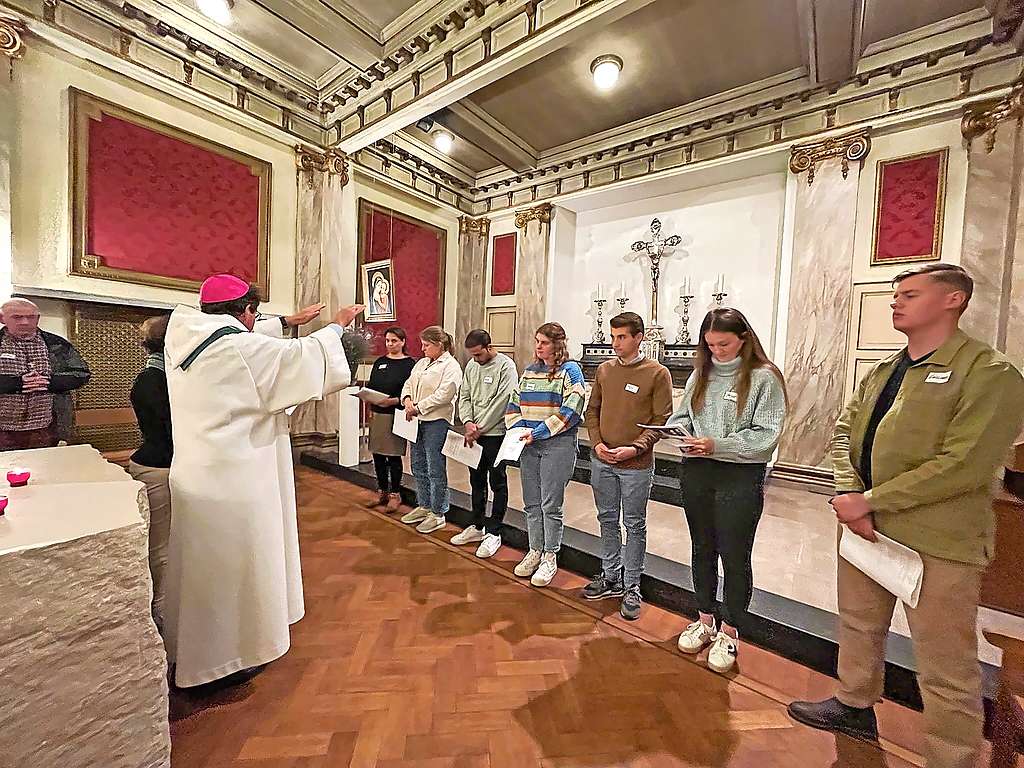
(417, 251)
(503, 265)
(910, 196)
(162, 206)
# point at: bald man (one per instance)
(38, 372)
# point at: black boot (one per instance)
(833, 715)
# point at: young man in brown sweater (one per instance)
(629, 390)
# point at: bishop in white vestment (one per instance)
(234, 581)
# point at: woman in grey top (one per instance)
(734, 406)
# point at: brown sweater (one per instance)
(624, 396)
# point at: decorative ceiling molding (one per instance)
(983, 118)
(851, 147)
(332, 164)
(474, 226)
(378, 165)
(541, 213)
(12, 32)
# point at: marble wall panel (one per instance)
(471, 289)
(531, 286)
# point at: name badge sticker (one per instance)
(731, 397)
(488, 379)
(9, 356)
(632, 388)
(938, 377)
(382, 366)
(528, 385)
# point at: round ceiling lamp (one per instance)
(218, 10)
(605, 70)
(443, 140)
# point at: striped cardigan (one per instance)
(548, 406)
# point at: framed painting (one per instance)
(910, 195)
(155, 205)
(379, 290)
(503, 265)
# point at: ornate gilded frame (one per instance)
(84, 107)
(940, 207)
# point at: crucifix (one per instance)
(655, 250)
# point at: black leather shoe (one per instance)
(833, 715)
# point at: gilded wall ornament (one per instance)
(332, 163)
(983, 118)
(469, 225)
(852, 146)
(541, 213)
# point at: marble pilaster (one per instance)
(532, 288)
(819, 308)
(11, 48)
(472, 285)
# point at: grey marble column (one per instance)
(472, 286)
(532, 287)
(819, 310)
(11, 49)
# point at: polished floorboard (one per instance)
(415, 653)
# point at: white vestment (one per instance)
(234, 582)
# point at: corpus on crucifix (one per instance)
(655, 250)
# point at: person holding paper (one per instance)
(429, 396)
(628, 391)
(734, 405)
(486, 387)
(915, 455)
(549, 402)
(389, 375)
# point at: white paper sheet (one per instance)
(895, 566)
(455, 448)
(512, 446)
(676, 430)
(407, 429)
(371, 396)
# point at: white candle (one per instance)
(622, 289)
(600, 291)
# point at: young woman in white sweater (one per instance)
(734, 405)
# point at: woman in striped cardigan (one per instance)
(549, 401)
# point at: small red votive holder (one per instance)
(3, 505)
(18, 477)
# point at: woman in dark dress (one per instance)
(388, 377)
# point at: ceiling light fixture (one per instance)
(443, 140)
(605, 70)
(218, 10)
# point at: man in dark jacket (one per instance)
(38, 372)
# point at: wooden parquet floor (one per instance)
(415, 653)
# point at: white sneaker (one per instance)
(431, 523)
(417, 515)
(471, 535)
(490, 544)
(545, 571)
(528, 564)
(696, 637)
(722, 655)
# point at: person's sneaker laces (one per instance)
(722, 655)
(545, 571)
(696, 637)
(528, 564)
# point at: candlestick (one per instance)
(623, 300)
(683, 336)
(719, 296)
(599, 333)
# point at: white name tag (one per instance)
(632, 388)
(938, 377)
(9, 356)
(382, 366)
(488, 379)
(731, 397)
(528, 385)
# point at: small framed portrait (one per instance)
(379, 290)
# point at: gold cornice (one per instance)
(333, 162)
(851, 146)
(983, 117)
(541, 213)
(474, 226)
(12, 31)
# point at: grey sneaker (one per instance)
(631, 602)
(600, 587)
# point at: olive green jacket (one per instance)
(936, 452)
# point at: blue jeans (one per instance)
(545, 469)
(622, 493)
(430, 467)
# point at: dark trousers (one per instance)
(478, 480)
(389, 473)
(23, 440)
(723, 504)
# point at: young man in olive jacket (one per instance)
(915, 455)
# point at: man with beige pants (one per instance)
(915, 455)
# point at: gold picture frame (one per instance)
(379, 290)
(942, 155)
(85, 107)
